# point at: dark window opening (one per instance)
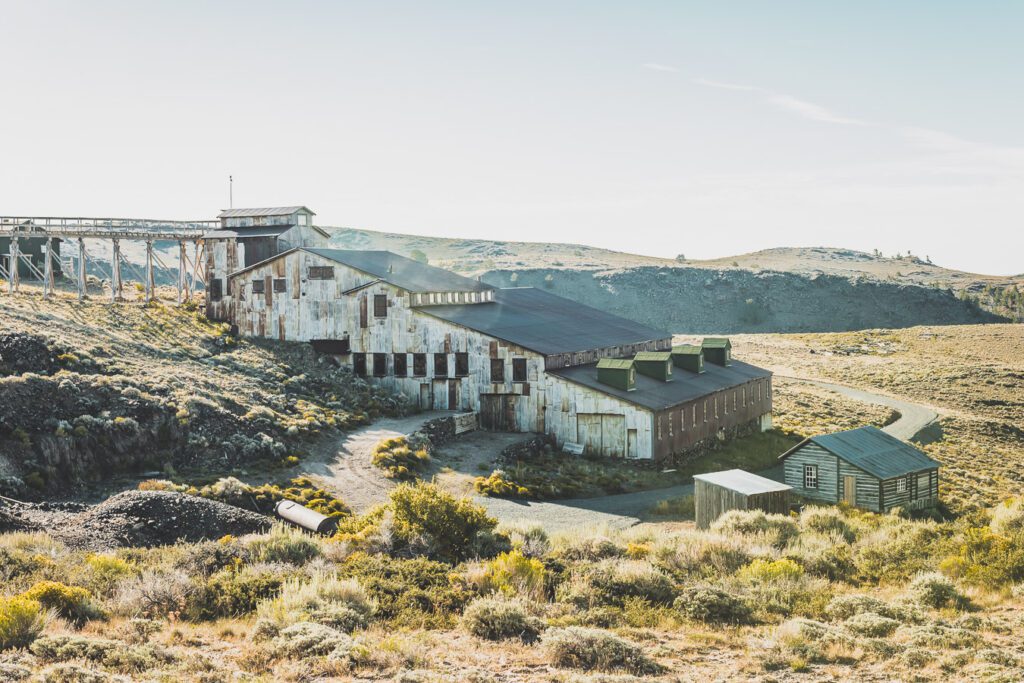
(518, 369)
(461, 364)
(380, 364)
(419, 365)
(401, 365)
(257, 287)
(321, 272)
(440, 364)
(216, 289)
(380, 305)
(497, 370)
(359, 364)
(280, 285)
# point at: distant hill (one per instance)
(777, 290)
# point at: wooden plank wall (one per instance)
(867, 486)
(828, 472)
(711, 501)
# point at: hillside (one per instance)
(778, 290)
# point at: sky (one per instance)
(662, 128)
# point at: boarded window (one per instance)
(380, 305)
(359, 364)
(321, 272)
(419, 365)
(380, 364)
(924, 485)
(810, 476)
(461, 364)
(257, 287)
(401, 365)
(497, 370)
(440, 365)
(216, 289)
(518, 369)
(280, 285)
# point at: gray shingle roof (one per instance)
(742, 481)
(546, 323)
(269, 211)
(875, 452)
(403, 272)
(655, 394)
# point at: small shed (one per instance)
(689, 357)
(617, 372)
(655, 364)
(718, 350)
(865, 468)
(715, 493)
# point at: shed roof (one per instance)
(716, 342)
(873, 451)
(402, 272)
(743, 482)
(653, 355)
(269, 211)
(689, 349)
(655, 394)
(546, 323)
(252, 231)
(615, 363)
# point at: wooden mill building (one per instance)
(524, 359)
(863, 467)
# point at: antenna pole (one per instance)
(231, 192)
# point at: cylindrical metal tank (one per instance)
(290, 511)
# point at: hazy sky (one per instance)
(708, 128)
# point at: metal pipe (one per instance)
(290, 511)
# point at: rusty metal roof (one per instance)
(656, 394)
(743, 482)
(546, 323)
(873, 451)
(271, 211)
(402, 272)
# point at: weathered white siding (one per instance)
(867, 486)
(566, 401)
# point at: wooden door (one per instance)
(453, 394)
(850, 490)
(631, 444)
(613, 435)
(363, 321)
(425, 396)
(588, 432)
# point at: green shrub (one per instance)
(325, 599)
(777, 530)
(941, 636)
(103, 572)
(871, 625)
(530, 540)
(825, 556)
(712, 605)
(986, 558)
(230, 593)
(587, 648)
(896, 551)
(811, 640)
(705, 556)
(1008, 517)
(399, 459)
(513, 573)
(843, 607)
(500, 619)
(154, 594)
(590, 549)
(307, 639)
(498, 484)
(935, 590)
(610, 582)
(21, 621)
(284, 543)
(761, 570)
(451, 529)
(70, 602)
(827, 521)
(109, 653)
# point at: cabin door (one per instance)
(613, 435)
(453, 394)
(850, 490)
(631, 446)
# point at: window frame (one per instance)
(462, 364)
(216, 289)
(320, 273)
(902, 485)
(258, 286)
(419, 365)
(280, 285)
(811, 476)
(440, 365)
(377, 299)
(499, 376)
(519, 370)
(401, 364)
(380, 359)
(359, 364)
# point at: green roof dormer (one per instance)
(689, 357)
(654, 364)
(617, 372)
(718, 350)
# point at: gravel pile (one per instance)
(141, 519)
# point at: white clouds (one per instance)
(654, 66)
(803, 108)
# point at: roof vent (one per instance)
(718, 350)
(655, 364)
(617, 372)
(688, 357)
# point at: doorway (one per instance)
(850, 490)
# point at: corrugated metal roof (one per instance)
(546, 323)
(403, 272)
(875, 452)
(742, 481)
(653, 355)
(716, 342)
(615, 363)
(254, 231)
(692, 349)
(655, 394)
(269, 211)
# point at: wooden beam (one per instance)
(115, 272)
(12, 262)
(81, 269)
(149, 271)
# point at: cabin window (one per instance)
(359, 364)
(518, 369)
(380, 305)
(216, 289)
(419, 365)
(810, 476)
(440, 365)
(901, 485)
(497, 370)
(461, 364)
(280, 285)
(401, 365)
(380, 364)
(924, 485)
(257, 287)
(321, 272)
